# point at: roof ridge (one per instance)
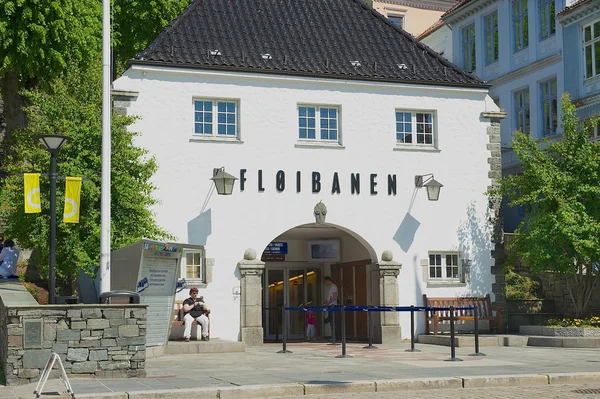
(168, 29)
(420, 44)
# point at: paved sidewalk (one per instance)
(311, 368)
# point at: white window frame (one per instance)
(401, 17)
(443, 266)
(202, 266)
(318, 120)
(545, 8)
(550, 99)
(493, 32)
(414, 126)
(525, 108)
(214, 134)
(591, 44)
(594, 133)
(519, 45)
(468, 47)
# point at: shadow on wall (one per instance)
(475, 241)
(405, 235)
(200, 228)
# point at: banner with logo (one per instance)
(72, 199)
(32, 193)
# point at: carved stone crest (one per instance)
(320, 212)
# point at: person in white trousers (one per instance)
(194, 309)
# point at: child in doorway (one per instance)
(311, 322)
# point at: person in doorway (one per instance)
(8, 259)
(311, 322)
(195, 309)
(332, 300)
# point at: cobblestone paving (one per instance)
(533, 392)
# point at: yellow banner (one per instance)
(72, 199)
(32, 193)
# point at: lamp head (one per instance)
(223, 181)
(53, 142)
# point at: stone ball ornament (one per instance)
(250, 254)
(387, 256)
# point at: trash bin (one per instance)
(119, 297)
(67, 300)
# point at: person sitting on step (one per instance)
(194, 310)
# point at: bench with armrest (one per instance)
(177, 320)
(485, 311)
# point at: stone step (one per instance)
(515, 320)
(469, 340)
(181, 347)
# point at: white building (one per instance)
(334, 105)
(516, 46)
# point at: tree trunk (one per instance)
(14, 114)
(581, 287)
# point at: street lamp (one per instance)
(223, 181)
(433, 186)
(53, 143)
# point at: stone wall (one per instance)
(91, 340)
(557, 291)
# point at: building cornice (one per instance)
(426, 5)
(588, 101)
(462, 13)
(582, 11)
(526, 70)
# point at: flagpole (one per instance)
(106, 147)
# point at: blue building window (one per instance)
(206, 112)
(522, 110)
(547, 18)
(520, 25)
(326, 130)
(468, 48)
(397, 20)
(491, 37)
(549, 107)
(591, 49)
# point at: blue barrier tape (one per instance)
(375, 309)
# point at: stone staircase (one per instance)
(215, 345)
(528, 313)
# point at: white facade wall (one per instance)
(440, 41)
(268, 137)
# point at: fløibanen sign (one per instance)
(317, 183)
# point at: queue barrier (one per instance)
(371, 308)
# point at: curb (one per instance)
(392, 385)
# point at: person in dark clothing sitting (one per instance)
(194, 309)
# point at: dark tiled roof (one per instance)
(573, 7)
(320, 38)
(458, 5)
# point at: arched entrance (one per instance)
(296, 263)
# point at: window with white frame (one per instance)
(468, 48)
(591, 49)
(415, 128)
(520, 25)
(397, 20)
(522, 112)
(547, 10)
(549, 101)
(594, 132)
(444, 266)
(194, 265)
(216, 118)
(318, 123)
(490, 23)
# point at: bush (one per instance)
(521, 287)
(38, 293)
(589, 322)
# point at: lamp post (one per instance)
(433, 186)
(223, 181)
(53, 143)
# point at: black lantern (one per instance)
(223, 181)
(433, 186)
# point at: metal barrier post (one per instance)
(276, 324)
(476, 320)
(343, 334)
(284, 333)
(412, 330)
(332, 320)
(370, 331)
(453, 357)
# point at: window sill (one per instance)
(319, 144)
(196, 282)
(445, 284)
(592, 80)
(215, 139)
(491, 65)
(520, 52)
(403, 147)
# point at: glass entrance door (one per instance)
(301, 289)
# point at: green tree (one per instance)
(38, 40)
(559, 187)
(73, 106)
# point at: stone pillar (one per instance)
(388, 291)
(251, 271)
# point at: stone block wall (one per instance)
(92, 340)
(556, 290)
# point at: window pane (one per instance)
(302, 133)
(587, 34)
(221, 106)
(597, 56)
(588, 62)
(597, 29)
(312, 112)
(432, 259)
(221, 129)
(438, 259)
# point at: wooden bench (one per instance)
(177, 317)
(485, 311)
